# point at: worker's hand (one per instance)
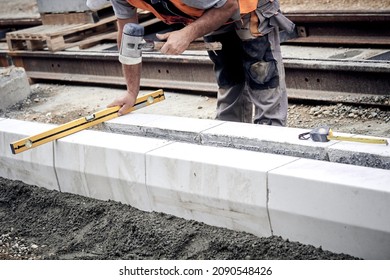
(126, 101)
(177, 42)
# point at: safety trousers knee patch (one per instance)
(264, 73)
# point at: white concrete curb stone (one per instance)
(268, 139)
(34, 167)
(341, 207)
(14, 86)
(219, 186)
(105, 166)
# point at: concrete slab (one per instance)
(34, 167)
(342, 208)
(57, 6)
(327, 53)
(267, 139)
(105, 166)
(218, 186)
(160, 126)
(262, 138)
(14, 86)
(362, 154)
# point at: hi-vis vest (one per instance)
(175, 11)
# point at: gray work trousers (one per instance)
(250, 75)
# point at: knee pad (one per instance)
(263, 74)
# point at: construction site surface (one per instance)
(169, 181)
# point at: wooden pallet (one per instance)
(60, 37)
(76, 17)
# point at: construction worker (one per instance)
(249, 68)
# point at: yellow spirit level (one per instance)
(83, 123)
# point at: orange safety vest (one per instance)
(182, 14)
(187, 14)
(247, 6)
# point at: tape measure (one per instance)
(325, 134)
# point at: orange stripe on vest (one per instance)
(247, 6)
(192, 12)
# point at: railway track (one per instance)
(352, 65)
(358, 29)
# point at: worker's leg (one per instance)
(266, 78)
(262, 60)
(232, 104)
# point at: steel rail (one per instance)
(342, 28)
(330, 80)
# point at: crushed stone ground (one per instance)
(58, 104)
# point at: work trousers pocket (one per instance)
(257, 23)
(270, 16)
(264, 12)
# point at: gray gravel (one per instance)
(344, 118)
(14, 247)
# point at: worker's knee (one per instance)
(263, 74)
(260, 63)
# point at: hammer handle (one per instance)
(195, 46)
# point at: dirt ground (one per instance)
(36, 223)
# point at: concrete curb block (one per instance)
(105, 166)
(341, 207)
(36, 166)
(267, 139)
(14, 86)
(215, 185)
(376, 156)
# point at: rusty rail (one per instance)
(342, 28)
(333, 79)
